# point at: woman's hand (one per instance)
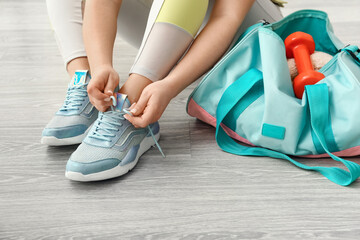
(152, 103)
(102, 85)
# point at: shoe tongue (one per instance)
(80, 77)
(122, 101)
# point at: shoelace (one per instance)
(74, 98)
(107, 124)
(110, 122)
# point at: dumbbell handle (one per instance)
(302, 58)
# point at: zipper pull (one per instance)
(351, 50)
(341, 49)
(264, 22)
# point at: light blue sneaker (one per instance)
(112, 147)
(71, 123)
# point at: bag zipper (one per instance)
(338, 54)
(352, 54)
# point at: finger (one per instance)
(95, 93)
(101, 107)
(132, 120)
(98, 103)
(141, 104)
(144, 120)
(106, 103)
(111, 84)
(132, 106)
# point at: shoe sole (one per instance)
(54, 141)
(117, 171)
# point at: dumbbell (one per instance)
(300, 45)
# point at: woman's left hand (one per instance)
(152, 103)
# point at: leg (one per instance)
(79, 63)
(72, 121)
(134, 85)
(66, 20)
(167, 37)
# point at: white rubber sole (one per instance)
(116, 171)
(53, 141)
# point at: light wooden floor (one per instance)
(197, 192)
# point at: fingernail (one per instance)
(109, 91)
(133, 110)
(126, 117)
(107, 99)
(132, 105)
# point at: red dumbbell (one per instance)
(300, 46)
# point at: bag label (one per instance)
(269, 130)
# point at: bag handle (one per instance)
(318, 99)
(315, 93)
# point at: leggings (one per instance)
(162, 30)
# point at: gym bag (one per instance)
(248, 96)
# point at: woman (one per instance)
(178, 42)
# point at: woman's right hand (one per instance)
(102, 85)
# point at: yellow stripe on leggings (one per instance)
(186, 14)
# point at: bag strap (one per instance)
(318, 99)
(237, 90)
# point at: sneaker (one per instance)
(71, 123)
(112, 147)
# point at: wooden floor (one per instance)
(196, 192)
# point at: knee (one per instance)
(186, 14)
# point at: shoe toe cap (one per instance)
(65, 132)
(86, 168)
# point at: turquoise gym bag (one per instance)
(248, 96)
